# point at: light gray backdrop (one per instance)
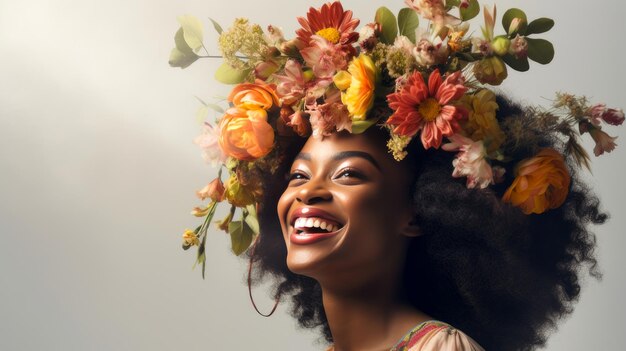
(99, 171)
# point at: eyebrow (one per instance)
(343, 155)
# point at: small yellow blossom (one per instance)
(190, 238)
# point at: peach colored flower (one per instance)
(330, 22)
(324, 57)
(246, 135)
(328, 118)
(428, 108)
(214, 190)
(300, 125)
(250, 96)
(208, 141)
(470, 161)
(541, 183)
(359, 83)
(604, 142)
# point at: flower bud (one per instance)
(214, 190)
(490, 70)
(519, 47)
(190, 238)
(263, 70)
(501, 46)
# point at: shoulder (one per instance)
(436, 336)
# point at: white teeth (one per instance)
(312, 222)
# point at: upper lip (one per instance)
(306, 212)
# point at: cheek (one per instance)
(284, 202)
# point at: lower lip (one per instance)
(306, 239)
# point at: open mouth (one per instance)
(315, 225)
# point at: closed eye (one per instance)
(349, 174)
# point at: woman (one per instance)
(415, 201)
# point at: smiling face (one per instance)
(345, 214)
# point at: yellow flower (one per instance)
(359, 83)
(237, 194)
(541, 183)
(482, 123)
(190, 238)
(490, 70)
(246, 134)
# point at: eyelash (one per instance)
(351, 173)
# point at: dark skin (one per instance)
(353, 179)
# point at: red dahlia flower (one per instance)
(330, 22)
(417, 106)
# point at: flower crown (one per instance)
(418, 81)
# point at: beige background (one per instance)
(99, 171)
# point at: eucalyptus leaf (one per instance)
(520, 65)
(508, 18)
(388, 23)
(540, 25)
(182, 55)
(452, 3)
(240, 236)
(229, 75)
(408, 21)
(471, 11)
(359, 127)
(192, 29)
(217, 26)
(540, 50)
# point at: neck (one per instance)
(370, 319)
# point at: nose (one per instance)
(313, 192)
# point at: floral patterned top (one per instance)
(436, 336)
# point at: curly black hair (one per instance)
(503, 277)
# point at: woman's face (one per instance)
(346, 214)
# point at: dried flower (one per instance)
(190, 238)
(604, 142)
(214, 190)
(237, 194)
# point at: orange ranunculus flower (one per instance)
(252, 96)
(245, 134)
(541, 183)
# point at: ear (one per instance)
(411, 228)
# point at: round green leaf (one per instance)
(508, 17)
(408, 21)
(192, 29)
(452, 3)
(229, 75)
(540, 25)
(540, 50)
(181, 56)
(471, 11)
(520, 65)
(240, 236)
(389, 26)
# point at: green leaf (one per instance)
(359, 127)
(540, 25)
(508, 17)
(192, 29)
(471, 11)
(452, 3)
(214, 107)
(240, 236)
(229, 75)
(217, 26)
(182, 55)
(253, 222)
(389, 26)
(540, 50)
(520, 65)
(408, 21)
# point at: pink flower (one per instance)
(300, 125)
(519, 47)
(328, 118)
(208, 142)
(432, 10)
(428, 108)
(613, 116)
(598, 113)
(324, 57)
(470, 161)
(604, 142)
(292, 86)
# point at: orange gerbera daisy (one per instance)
(330, 22)
(417, 106)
